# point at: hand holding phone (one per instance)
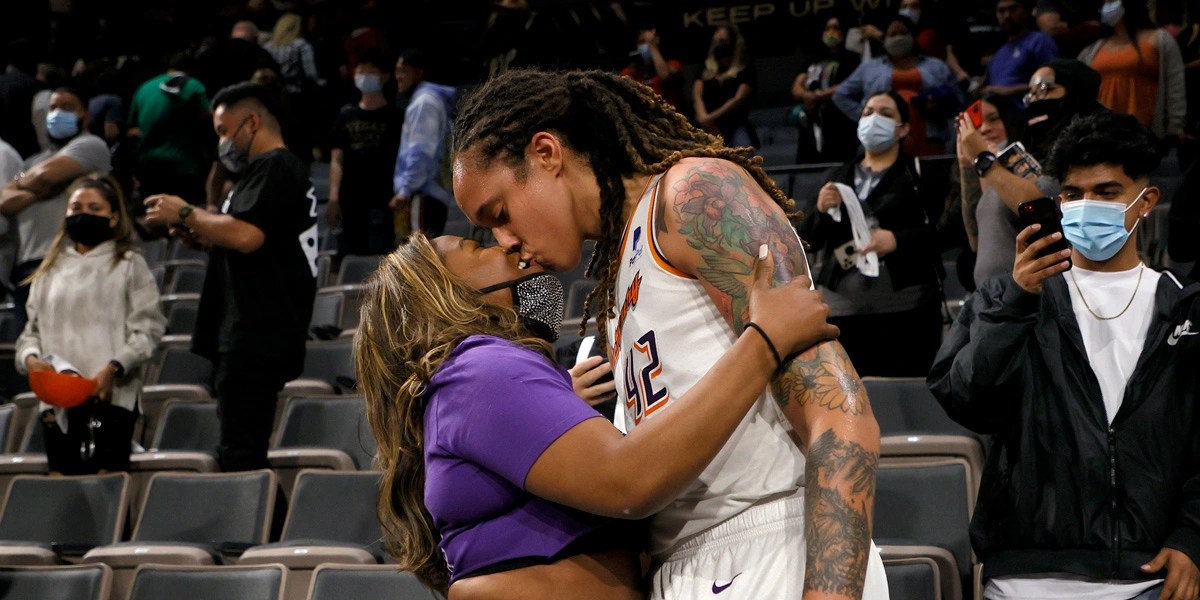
(975, 113)
(1039, 255)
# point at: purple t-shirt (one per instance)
(493, 408)
(1015, 61)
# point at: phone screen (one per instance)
(1044, 212)
(975, 112)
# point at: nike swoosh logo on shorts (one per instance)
(717, 588)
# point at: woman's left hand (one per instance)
(883, 243)
(104, 383)
(584, 377)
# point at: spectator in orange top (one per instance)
(1141, 68)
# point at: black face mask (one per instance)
(722, 51)
(539, 300)
(89, 230)
(1045, 116)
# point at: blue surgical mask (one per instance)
(644, 50)
(368, 83)
(1112, 12)
(1096, 228)
(62, 125)
(910, 14)
(877, 132)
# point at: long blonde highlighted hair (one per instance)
(414, 313)
(287, 30)
(712, 69)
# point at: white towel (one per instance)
(867, 263)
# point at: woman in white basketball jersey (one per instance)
(547, 160)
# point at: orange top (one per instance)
(1129, 82)
(908, 84)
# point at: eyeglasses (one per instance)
(1039, 91)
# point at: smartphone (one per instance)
(1019, 161)
(975, 112)
(1044, 212)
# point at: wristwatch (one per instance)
(187, 209)
(984, 162)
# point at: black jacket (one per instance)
(908, 202)
(1063, 491)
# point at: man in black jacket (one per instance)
(1087, 380)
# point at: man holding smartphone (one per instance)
(1086, 379)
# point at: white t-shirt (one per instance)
(1113, 347)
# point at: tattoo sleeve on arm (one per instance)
(840, 488)
(724, 217)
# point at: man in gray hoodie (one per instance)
(420, 175)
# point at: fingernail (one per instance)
(1036, 226)
(762, 252)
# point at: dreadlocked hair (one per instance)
(618, 126)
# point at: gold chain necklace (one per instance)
(1141, 271)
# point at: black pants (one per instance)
(85, 450)
(433, 216)
(367, 230)
(901, 344)
(247, 391)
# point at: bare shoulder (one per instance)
(711, 217)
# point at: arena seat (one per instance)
(915, 572)
(155, 251)
(193, 519)
(75, 582)
(47, 518)
(904, 406)
(30, 455)
(327, 311)
(186, 279)
(322, 433)
(181, 251)
(356, 269)
(328, 369)
(353, 582)
(259, 582)
(923, 498)
(185, 439)
(331, 519)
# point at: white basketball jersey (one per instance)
(666, 336)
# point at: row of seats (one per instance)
(256, 582)
(192, 519)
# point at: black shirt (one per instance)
(259, 305)
(369, 141)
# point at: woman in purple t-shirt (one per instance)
(498, 481)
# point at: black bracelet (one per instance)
(767, 339)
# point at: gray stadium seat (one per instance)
(327, 311)
(159, 582)
(45, 518)
(912, 575)
(75, 582)
(331, 519)
(193, 519)
(185, 439)
(927, 501)
(323, 433)
(186, 279)
(356, 269)
(155, 251)
(904, 405)
(354, 582)
(328, 369)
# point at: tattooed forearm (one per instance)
(824, 376)
(839, 496)
(726, 217)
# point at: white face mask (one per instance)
(877, 132)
